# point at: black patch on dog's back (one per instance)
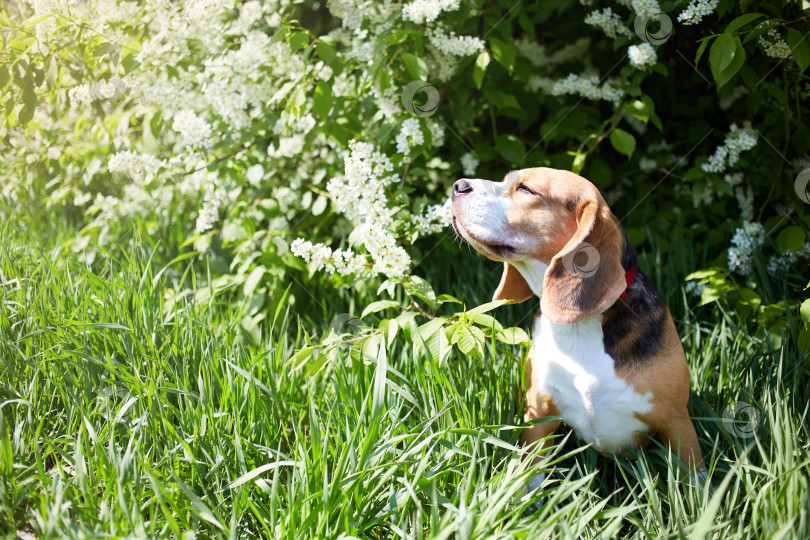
(633, 328)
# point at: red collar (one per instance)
(629, 278)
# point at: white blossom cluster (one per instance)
(696, 10)
(610, 23)
(642, 55)
(213, 200)
(360, 196)
(388, 100)
(454, 45)
(343, 261)
(585, 86)
(694, 288)
(774, 45)
(360, 193)
(726, 155)
(100, 90)
(390, 259)
(778, 264)
(745, 198)
(537, 55)
(435, 219)
(650, 7)
(726, 102)
(137, 165)
(195, 130)
(743, 194)
(800, 163)
(436, 132)
(469, 163)
(421, 11)
(745, 242)
(409, 136)
(647, 164)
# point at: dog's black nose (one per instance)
(461, 187)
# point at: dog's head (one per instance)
(555, 235)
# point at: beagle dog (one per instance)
(605, 354)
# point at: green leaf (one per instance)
(480, 68)
(638, 109)
(790, 239)
(6, 450)
(29, 97)
(299, 359)
(130, 64)
(203, 511)
(379, 386)
(704, 274)
(623, 142)
(4, 76)
(714, 291)
(415, 66)
(103, 49)
(26, 114)
(726, 57)
(322, 100)
(804, 312)
(282, 92)
(484, 437)
(253, 280)
(250, 475)
(52, 74)
(438, 345)
(504, 53)
(722, 53)
(510, 149)
(379, 305)
(513, 336)
(702, 48)
(299, 40)
(741, 21)
(799, 48)
(721, 185)
(470, 340)
(445, 298)
(484, 308)
(431, 327)
(326, 52)
(486, 321)
(420, 288)
(579, 161)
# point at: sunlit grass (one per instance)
(120, 417)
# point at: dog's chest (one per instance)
(570, 365)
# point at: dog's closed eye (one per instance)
(527, 189)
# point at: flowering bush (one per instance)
(272, 134)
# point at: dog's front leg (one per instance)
(538, 405)
(681, 438)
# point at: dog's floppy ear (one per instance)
(586, 277)
(512, 286)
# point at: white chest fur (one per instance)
(570, 364)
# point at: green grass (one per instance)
(120, 417)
